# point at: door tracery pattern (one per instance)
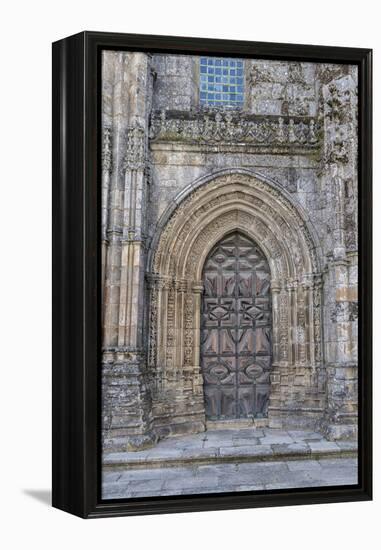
(236, 326)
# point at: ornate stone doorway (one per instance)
(277, 370)
(236, 327)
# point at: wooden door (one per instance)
(236, 330)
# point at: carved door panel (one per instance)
(236, 330)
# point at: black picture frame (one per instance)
(76, 296)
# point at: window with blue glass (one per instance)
(221, 82)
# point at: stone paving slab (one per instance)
(298, 465)
(246, 444)
(251, 451)
(229, 477)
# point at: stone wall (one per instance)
(296, 133)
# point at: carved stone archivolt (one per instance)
(233, 202)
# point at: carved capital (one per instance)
(276, 285)
(291, 284)
(181, 285)
(159, 282)
(307, 281)
(198, 287)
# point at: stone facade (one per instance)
(177, 178)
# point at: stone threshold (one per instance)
(238, 424)
(170, 457)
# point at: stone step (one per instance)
(175, 457)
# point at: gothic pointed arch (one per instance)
(233, 201)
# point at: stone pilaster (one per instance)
(298, 378)
(126, 391)
(340, 170)
(174, 359)
(106, 176)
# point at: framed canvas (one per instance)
(212, 274)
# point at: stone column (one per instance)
(154, 308)
(281, 368)
(106, 176)
(275, 375)
(195, 372)
(340, 177)
(316, 317)
(115, 122)
(292, 339)
(133, 242)
(126, 392)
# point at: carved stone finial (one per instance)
(136, 151)
(107, 150)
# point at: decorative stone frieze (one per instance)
(210, 127)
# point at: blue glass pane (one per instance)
(221, 83)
